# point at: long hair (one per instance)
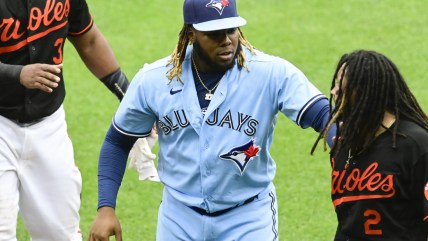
(179, 53)
(374, 86)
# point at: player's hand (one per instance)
(40, 76)
(154, 133)
(105, 225)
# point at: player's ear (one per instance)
(192, 35)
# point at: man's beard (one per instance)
(203, 56)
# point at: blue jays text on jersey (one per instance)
(235, 121)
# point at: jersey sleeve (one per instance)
(134, 117)
(296, 93)
(80, 19)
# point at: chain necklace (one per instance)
(209, 95)
(349, 159)
(380, 131)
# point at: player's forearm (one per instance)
(97, 55)
(95, 52)
(100, 58)
(111, 166)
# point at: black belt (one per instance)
(218, 213)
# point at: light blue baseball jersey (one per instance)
(221, 158)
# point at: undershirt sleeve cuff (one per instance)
(317, 117)
(10, 73)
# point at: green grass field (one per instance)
(312, 34)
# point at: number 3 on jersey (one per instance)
(58, 43)
(373, 218)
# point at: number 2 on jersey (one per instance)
(373, 218)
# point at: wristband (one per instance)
(117, 83)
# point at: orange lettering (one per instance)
(58, 43)
(369, 180)
(337, 181)
(353, 180)
(373, 218)
(53, 11)
(48, 9)
(10, 29)
(35, 19)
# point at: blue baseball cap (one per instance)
(211, 15)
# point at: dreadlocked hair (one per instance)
(333, 115)
(373, 86)
(179, 53)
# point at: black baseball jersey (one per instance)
(382, 194)
(35, 32)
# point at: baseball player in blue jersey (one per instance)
(215, 103)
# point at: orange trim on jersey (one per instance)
(13, 47)
(85, 29)
(31, 39)
(42, 34)
(361, 197)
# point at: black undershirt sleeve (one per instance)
(10, 73)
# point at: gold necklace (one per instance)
(209, 95)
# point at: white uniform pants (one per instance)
(39, 179)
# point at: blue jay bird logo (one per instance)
(218, 5)
(241, 155)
